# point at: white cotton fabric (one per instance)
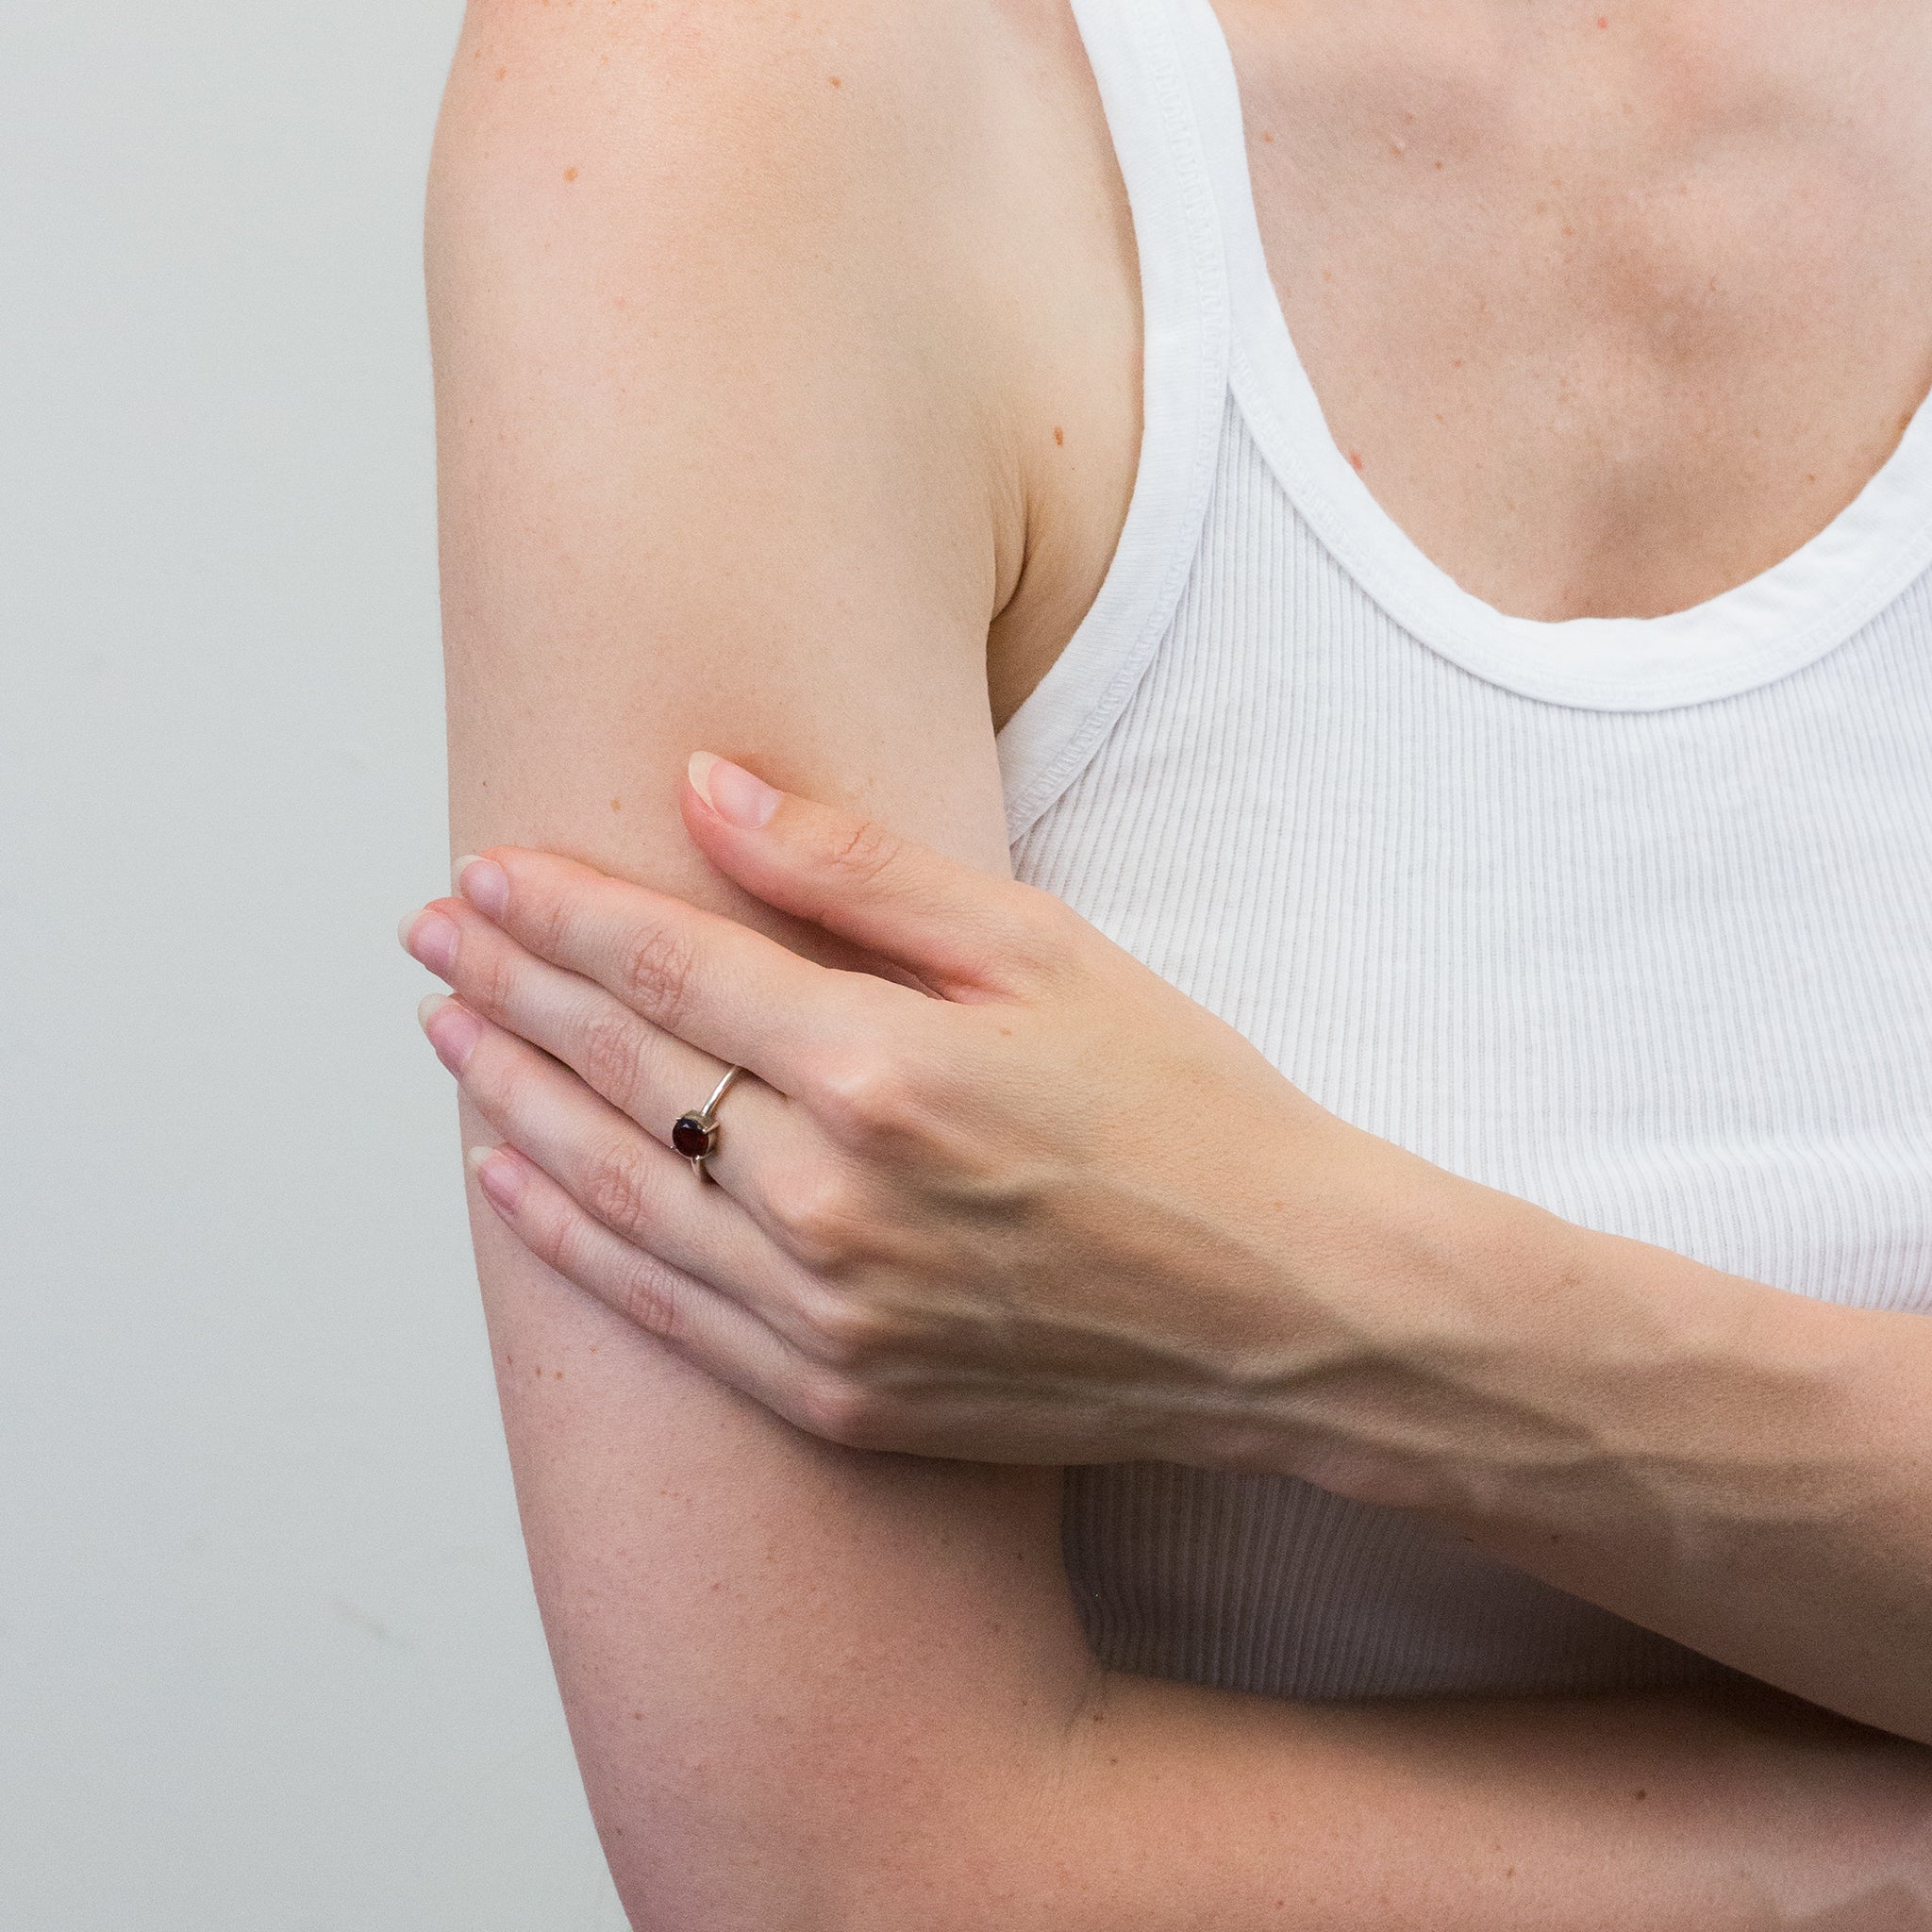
(1629, 917)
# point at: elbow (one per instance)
(949, 1866)
(831, 1899)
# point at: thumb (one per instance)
(957, 928)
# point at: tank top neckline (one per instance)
(1217, 347)
(1774, 623)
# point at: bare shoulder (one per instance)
(798, 214)
(756, 120)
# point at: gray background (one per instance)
(268, 1656)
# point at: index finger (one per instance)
(706, 978)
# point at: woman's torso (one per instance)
(1628, 915)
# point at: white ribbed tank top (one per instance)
(1629, 917)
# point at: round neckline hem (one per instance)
(1765, 629)
(1774, 623)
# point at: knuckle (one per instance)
(1041, 929)
(612, 1051)
(497, 1081)
(642, 1289)
(818, 1219)
(871, 1095)
(569, 1244)
(864, 854)
(561, 1241)
(837, 1409)
(490, 982)
(616, 1189)
(647, 1298)
(545, 923)
(850, 1333)
(654, 973)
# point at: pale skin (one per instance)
(747, 444)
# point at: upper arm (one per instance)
(714, 444)
(716, 470)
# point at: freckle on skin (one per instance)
(570, 173)
(835, 80)
(617, 805)
(1060, 435)
(1643, 1794)
(501, 72)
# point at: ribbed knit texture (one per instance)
(1665, 970)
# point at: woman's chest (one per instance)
(1610, 312)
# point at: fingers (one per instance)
(650, 1074)
(644, 1194)
(958, 928)
(715, 984)
(596, 1153)
(710, 1330)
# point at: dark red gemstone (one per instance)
(691, 1135)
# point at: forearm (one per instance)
(817, 1689)
(1745, 1470)
(779, 1727)
(780, 1661)
(1184, 1808)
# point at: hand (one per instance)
(1039, 1207)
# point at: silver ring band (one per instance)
(695, 1135)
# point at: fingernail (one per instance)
(483, 883)
(731, 792)
(430, 938)
(452, 1030)
(500, 1175)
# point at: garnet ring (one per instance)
(695, 1135)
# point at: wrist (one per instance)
(1514, 1372)
(1399, 1297)
(1458, 1350)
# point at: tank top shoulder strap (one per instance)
(1143, 54)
